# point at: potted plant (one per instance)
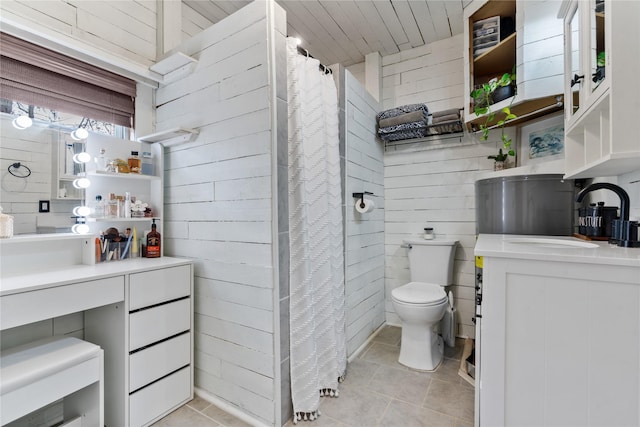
(485, 95)
(499, 160)
(600, 67)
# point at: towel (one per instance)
(402, 110)
(405, 134)
(446, 112)
(402, 127)
(447, 118)
(414, 116)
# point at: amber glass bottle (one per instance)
(134, 162)
(153, 242)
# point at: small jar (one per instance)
(428, 233)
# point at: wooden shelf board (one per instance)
(493, 61)
(532, 108)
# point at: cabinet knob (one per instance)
(576, 79)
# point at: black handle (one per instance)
(576, 79)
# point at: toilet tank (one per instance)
(431, 261)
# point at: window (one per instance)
(35, 76)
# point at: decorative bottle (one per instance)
(127, 205)
(134, 162)
(98, 209)
(153, 242)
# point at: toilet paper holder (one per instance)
(361, 197)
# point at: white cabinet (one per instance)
(160, 342)
(560, 335)
(601, 87)
(148, 343)
(534, 50)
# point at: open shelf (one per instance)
(135, 176)
(525, 110)
(170, 136)
(492, 62)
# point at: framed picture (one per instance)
(541, 141)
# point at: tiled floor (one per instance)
(377, 391)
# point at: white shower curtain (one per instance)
(317, 319)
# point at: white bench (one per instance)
(39, 373)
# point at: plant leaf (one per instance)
(510, 117)
(506, 110)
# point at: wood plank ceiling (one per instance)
(344, 31)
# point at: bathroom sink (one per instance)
(550, 243)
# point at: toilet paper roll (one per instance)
(368, 205)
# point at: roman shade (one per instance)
(37, 76)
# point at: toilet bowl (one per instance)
(421, 303)
(420, 306)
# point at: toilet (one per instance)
(421, 303)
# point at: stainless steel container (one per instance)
(525, 204)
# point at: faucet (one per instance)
(624, 197)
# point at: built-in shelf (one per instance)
(170, 136)
(524, 110)
(174, 67)
(136, 219)
(492, 62)
(134, 176)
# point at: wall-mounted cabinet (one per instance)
(601, 87)
(529, 40)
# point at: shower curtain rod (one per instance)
(323, 68)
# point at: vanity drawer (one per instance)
(157, 323)
(146, 366)
(160, 397)
(41, 304)
(157, 286)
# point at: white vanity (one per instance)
(558, 341)
(139, 311)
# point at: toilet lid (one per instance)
(420, 293)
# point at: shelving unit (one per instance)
(147, 188)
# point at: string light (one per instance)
(81, 183)
(82, 157)
(22, 122)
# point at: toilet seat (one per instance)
(419, 294)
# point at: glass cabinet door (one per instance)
(575, 64)
(597, 51)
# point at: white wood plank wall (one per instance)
(218, 207)
(126, 27)
(364, 259)
(431, 187)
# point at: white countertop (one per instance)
(545, 248)
(79, 273)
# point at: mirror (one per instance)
(21, 197)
